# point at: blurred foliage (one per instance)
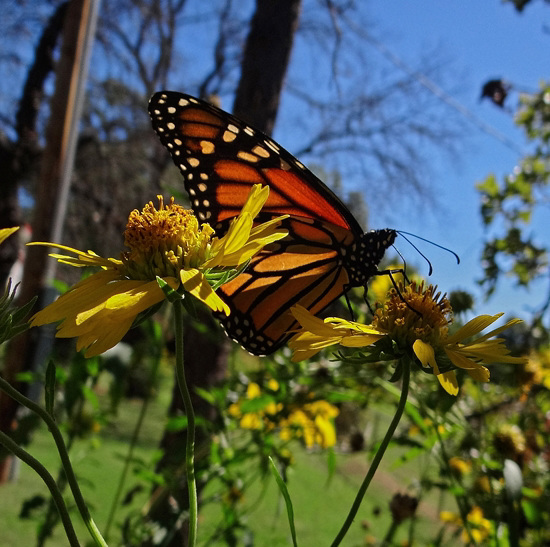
(508, 207)
(13, 320)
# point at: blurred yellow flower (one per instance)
(264, 408)
(537, 370)
(479, 526)
(166, 243)
(460, 466)
(413, 321)
(313, 422)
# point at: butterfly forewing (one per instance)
(220, 158)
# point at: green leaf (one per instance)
(488, 186)
(177, 423)
(532, 513)
(284, 491)
(91, 397)
(49, 388)
(256, 404)
(170, 294)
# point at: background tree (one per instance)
(511, 208)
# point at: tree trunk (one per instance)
(265, 62)
(18, 158)
(18, 351)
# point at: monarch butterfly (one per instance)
(325, 253)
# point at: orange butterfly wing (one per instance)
(326, 252)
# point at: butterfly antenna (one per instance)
(404, 234)
(402, 271)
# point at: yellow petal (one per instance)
(480, 374)
(339, 323)
(88, 258)
(240, 244)
(100, 309)
(85, 295)
(425, 354)
(495, 332)
(448, 382)
(475, 370)
(360, 340)
(6, 232)
(238, 233)
(195, 283)
(140, 297)
(256, 199)
(472, 327)
(304, 347)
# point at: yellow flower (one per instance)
(509, 441)
(460, 466)
(260, 417)
(479, 526)
(313, 422)
(537, 370)
(166, 243)
(413, 321)
(6, 232)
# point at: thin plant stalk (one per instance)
(379, 453)
(460, 501)
(44, 474)
(65, 460)
(190, 413)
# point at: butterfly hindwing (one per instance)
(306, 268)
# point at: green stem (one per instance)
(190, 441)
(379, 453)
(63, 454)
(460, 500)
(32, 462)
(391, 532)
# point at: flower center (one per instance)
(414, 313)
(164, 241)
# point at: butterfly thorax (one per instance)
(361, 259)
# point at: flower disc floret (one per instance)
(164, 241)
(414, 313)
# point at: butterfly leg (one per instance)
(390, 274)
(346, 289)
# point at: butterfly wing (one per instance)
(220, 158)
(305, 268)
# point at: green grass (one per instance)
(319, 507)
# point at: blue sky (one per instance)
(482, 40)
